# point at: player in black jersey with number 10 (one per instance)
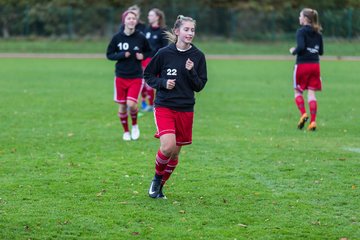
(176, 72)
(128, 47)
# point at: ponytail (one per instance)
(313, 18)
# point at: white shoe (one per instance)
(135, 132)
(126, 136)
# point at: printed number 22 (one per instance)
(171, 72)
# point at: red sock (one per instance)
(143, 93)
(313, 110)
(161, 163)
(299, 100)
(134, 116)
(169, 170)
(151, 95)
(124, 120)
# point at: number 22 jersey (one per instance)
(169, 63)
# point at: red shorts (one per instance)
(127, 89)
(307, 76)
(145, 62)
(173, 122)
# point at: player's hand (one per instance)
(170, 84)
(291, 50)
(127, 54)
(189, 64)
(139, 56)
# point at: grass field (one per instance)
(65, 173)
(209, 46)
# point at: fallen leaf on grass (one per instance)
(242, 225)
(99, 194)
(135, 233)
(182, 211)
(316, 223)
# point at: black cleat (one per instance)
(155, 187)
(161, 194)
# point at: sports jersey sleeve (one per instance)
(321, 49)
(198, 77)
(151, 73)
(164, 41)
(113, 52)
(300, 42)
(146, 49)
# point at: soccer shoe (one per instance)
(148, 108)
(126, 136)
(312, 126)
(161, 194)
(155, 187)
(135, 132)
(302, 121)
(143, 105)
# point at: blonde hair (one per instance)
(313, 18)
(171, 36)
(136, 9)
(161, 16)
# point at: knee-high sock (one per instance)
(300, 103)
(133, 114)
(161, 163)
(124, 120)
(313, 110)
(170, 168)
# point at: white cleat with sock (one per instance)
(135, 132)
(126, 136)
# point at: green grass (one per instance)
(332, 47)
(65, 173)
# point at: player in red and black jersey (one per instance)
(128, 47)
(307, 68)
(155, 34)
(176, 72)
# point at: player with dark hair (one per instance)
(155, 34)
(307, 68)
(176, 72)
(140, 26)
(128, 47)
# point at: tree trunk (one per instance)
(5, 29)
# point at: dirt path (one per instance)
(209, 56)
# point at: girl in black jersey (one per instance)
(128, 48)
(176, 72)
(155, 34)
(307, 69)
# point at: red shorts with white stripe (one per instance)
(174, 122)
(307, 77)
(127, 89)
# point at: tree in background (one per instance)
(228, 18)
